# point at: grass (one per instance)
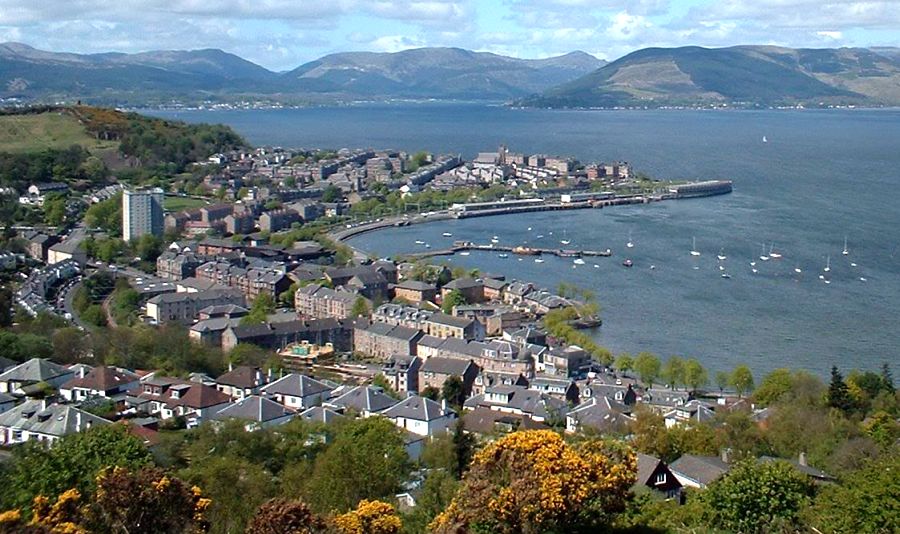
(31, 133)
(182, 203)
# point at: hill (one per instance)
(740, 75)
(33, 132)
(443, 73)
(135, 79)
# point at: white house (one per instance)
(298, 392)
(101, 381)
(32, 372)
(421, 416)
(36, 420)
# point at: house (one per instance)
(443, 326)
(618, 392)
(320, 414)
(103, 381)
(421, 416)
(256, 411)
(402, 373)
(16, 380)
(36, 420)
(371, 284)
(209, 331)
(699, 471)
(561, 388)
(381, 341)
(172, 397)
(297, 392)
(515, 292)
(488, 421)
(6, 402)
(693, 410)
(37, 244)
(600, 414)
(570, 362)
(175, 265)
(185, 307)
(490, 356)
(435, 371)
(363, 400)
(241, 382)
(279, 335)
(663, 399)
(415, 291)
(519, 401)
(318, 302)
(800, 464)
(655, 474)
(493, 288)
(471, 289)
(486, 379)
(69, 249)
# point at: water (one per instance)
(821, 176)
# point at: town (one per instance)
(237, 267)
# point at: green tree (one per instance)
(430, 392)
(453, 298)
(723, 379)
(753, 497)
(236, 486)
(366, 460)
(263, 305)
(454, 391)
(865, 501)
(742, 380)
(647, 367)
(773, 386)
(248, 354)
(72, 462)
(673, 372)
(624, 363)
(331, 194)
(281, 516)
(69, 345)
(437, 493)
(695, 376)
(55, 209)
(887, 378)
(6, 307)
(360, 307)
(838, 394)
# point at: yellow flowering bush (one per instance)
(532, 481)
(370, 517)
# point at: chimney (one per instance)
(443, 405)
(82, 371)
(230, 367)
(77, 420)
(258, 377)
(802, 459)
(724, 455)
(43, 404)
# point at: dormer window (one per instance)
(175, 394)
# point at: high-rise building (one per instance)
(142, 213)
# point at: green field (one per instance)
(182, 203)
(30, 133)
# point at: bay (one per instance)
(821, 175)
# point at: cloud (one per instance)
(831, 34)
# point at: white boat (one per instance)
(846, 251)
(827, 281)
(798, 270)
(447, 234)
(539, 236)
(821, 277)
(722, 256)
(726, 275)
(862, 279)
(464, 253)
(764, 256)
(529, 228)
(538, 260)
(503, 255)
(827, 265)
(427, 245)
(565, 240)
(754, 270)
(495, 240)
(752, 263)
(765, 140)
(852, 264)
(630, 243)
(596, 266)
(653, 267)
(694, 251)
(578, 261)
(419, 242)
(721, 267)
(772, 254)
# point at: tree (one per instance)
(647, 367)
(370, 517)
(723, 379)
(68, 345)
(865, 501)
(55, 210)
(838, 394)
(430, 392)
(454, 298)
(532, 481)
(673, 372)
(463, 449)
(366, 460)
(6, 307)
(773, 386)
(71, 463)
(887, 378)
(331, 194)
(624, 363)
(236, 487)
(360, 307)
(695, 376)
(454, 391)
(248, 354)
(742, 380)
(262, 306)
(281, 516)
(436, 494)
(753, 497)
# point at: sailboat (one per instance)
(772, 254)
(565, 240)
(845, 252)
(694, 251)
(798, 270)
(578, 261)
(722, 256)
(764, 257)
(630, 244)
(827, 265)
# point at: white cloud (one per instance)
(831, 34)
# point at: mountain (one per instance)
(740, 75)
(436, 73)
(439, 73)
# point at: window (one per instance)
(660, 478)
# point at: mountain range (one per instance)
(739, 75)
(438, 73)
(744, 76)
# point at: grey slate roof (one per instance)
(318, 414)
(415, 285)
(601, 413)
(449, 320)
(418, 408)
(34, 370)
(646, 465)
(463, 283)
(364, 399)
(700, 469)
(54, 420)
(296, 385)
(254, 408)
(446, 366)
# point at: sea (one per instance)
(820, 177)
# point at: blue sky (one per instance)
(282, 34)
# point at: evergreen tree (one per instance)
(887, 378)
(838, 394)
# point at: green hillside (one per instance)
(51, 129)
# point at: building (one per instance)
(38, 244)
(318, 302)
(103, 381)
(415, 291)
(70, 249)
(570, 362)
(297, 392)
(519, 401)
(17, 380)
(402, 372)
(241, 382)
(435, 371)
(600, 414)
(470, 288)
(699, 471)
(142, 213)
(421, 416)
(276, 220)
(561, 388)
(36, 420)
(655, 474)
(171, 397)
(173, 265)
(256, 412)
(381, 341)
(279, 335)
(185, 307)
(363, 400)
(443, 326)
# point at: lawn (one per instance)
(29, 133)
(182, 203)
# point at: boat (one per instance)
(578, 261)
(525, 251)
(565, 240)
(722, 256)
(764, 256)
(596, 266)
(862, 279)
(827, 265)
(798, 270)
(694, 251)
(538, 260)
(495, 240)
(754, 270)
(464, 253)
(529, 228)
(447, 234)
(772, 254)
(726, 275)
(821, 277)
(853, 264)
(539, 236)
(427, 245)
(721, 267)
(765, 140)
(827, 281)
(627, 262)
(419, 242)
(652, 267)
(845, 252)
(629, 244)
(752, 263)
(503, 255)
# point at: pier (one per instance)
(519, 250)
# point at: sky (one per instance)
(283, 34)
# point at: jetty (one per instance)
(521, 250)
